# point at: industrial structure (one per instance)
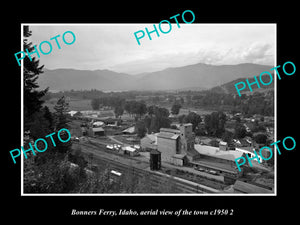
(177, 147)
(155, 160)
(174, 144)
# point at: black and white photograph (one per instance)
(150, 113)
(131, 109)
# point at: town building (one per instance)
(96, 128)
(223, 145)
(98, 131)
(175, 145)
(217, 159)
(128, 150)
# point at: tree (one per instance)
(39, 126)
(215, 123)
(78, 158)
(154, 125)
(147, 121)
(49, 117)
(53, 175)
(140, 129)
(135, 108)
(150, 109)
(157, 117)
(161, 112)
(175, 108)
(32, 96)
(193, 118)
(119, 110)
(227, 136)
(181, 118)
(240, 131)
(95, 103)
(61, 121)
(61, 108)
(261, 138)
(140, 108)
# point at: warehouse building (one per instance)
(218, 159)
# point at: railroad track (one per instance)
(156, 179)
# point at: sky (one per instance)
(114, 46)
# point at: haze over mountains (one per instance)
(198, 76)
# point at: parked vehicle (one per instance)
(110, 147)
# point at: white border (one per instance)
(22, 113)
(80, 194)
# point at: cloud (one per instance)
(256, 52)
(114, 47)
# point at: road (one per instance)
(115, 140)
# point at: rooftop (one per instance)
(179, 156)
(98, 129)
(129, 130)
(98, 123)
(216, 152)
(169, 130)
(168, 135)
(215, 165)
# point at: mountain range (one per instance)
(198, 76)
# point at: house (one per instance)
(72, 113)
(223, 145)
(128, 150)
(244, 143)
(99, 131)
(111, 121)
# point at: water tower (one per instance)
(155, 159)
